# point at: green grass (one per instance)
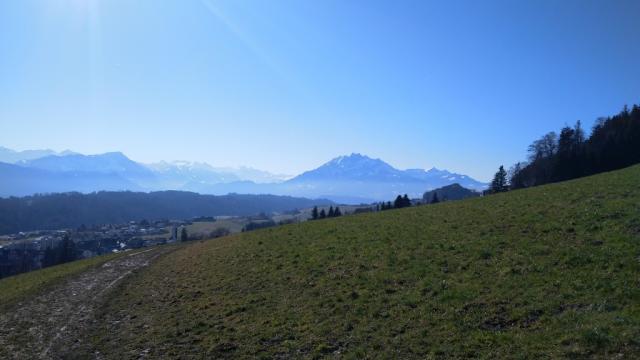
(546, 272)
(16, 288)
(205, 228)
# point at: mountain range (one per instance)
(12, 156)
(348, 179)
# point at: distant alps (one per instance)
(354, 178)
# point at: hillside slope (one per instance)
(71, 210)
(552, 271)
(45, 314)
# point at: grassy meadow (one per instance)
(546, 272)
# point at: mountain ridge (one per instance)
(355, 178)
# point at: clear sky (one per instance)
(287, 85)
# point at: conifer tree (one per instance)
(406, 201)
(184, 236)
(578, 133)
(337, 212)
(331, 213)
(499, 183)
(323, 214)
(314, 213)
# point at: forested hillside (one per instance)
(70, 210)
(447, 193)
(614, 143)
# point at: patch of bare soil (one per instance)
(53, 324)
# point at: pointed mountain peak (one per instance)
(354, 157)
(351, 167)
(435, 170)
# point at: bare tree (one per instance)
(543, 148)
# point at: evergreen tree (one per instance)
(434, 198)
(184, 236)
(566, 141)
(565, 165)
(389, 205)
(331, 213)
(578, 133)
(499, 183)
(323, 214)
(314, 213)
(515, 176)
(406, 201)
(398, 202)
(337, 212)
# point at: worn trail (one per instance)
(53, 324)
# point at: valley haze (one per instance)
(350, 179)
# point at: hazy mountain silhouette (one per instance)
(17, 180)
(12, 156)
(354, 178)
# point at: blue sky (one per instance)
(287, 85)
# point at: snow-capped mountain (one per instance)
(360, 168)
(31, 171)
(250, 174)
(435, 176)
(184, 174)
(353, 167)
(354, 178)
(196, 176)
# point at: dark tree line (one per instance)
(64, 252)
(402, 202)
(315, 215)
(614, 143)
(67, 250)
(71, 210)
(398, 203)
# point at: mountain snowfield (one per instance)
(359, 178)
(349, 179)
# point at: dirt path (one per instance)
(52, 325)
